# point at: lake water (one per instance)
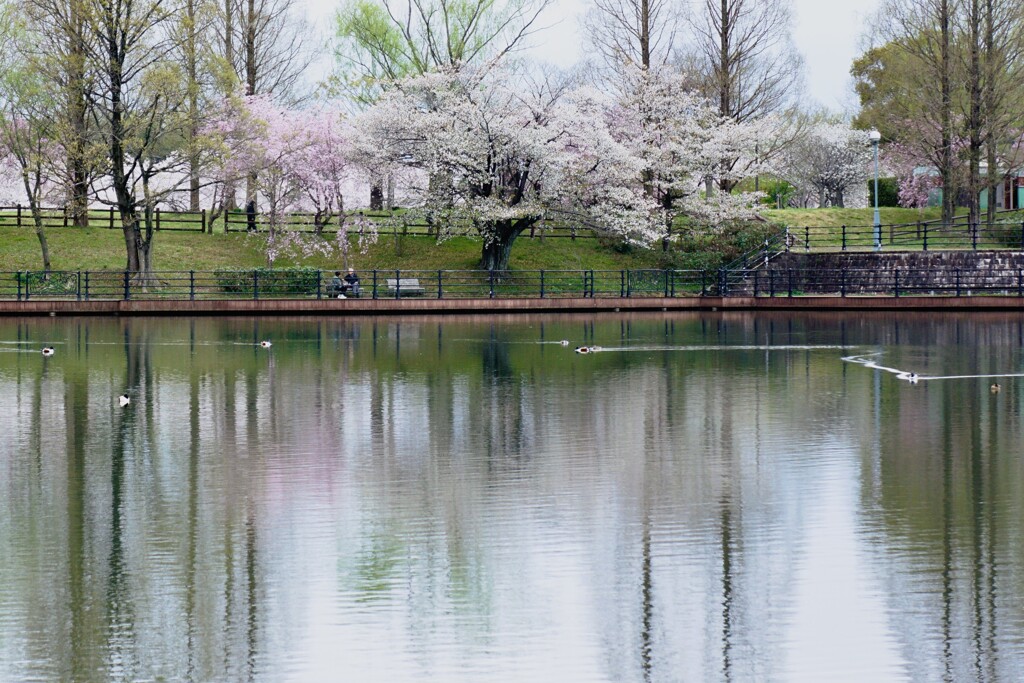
(710, 497)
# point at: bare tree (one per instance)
(923, 32)
(60, 57)
(745, 59)
(641, 32)
(746, 56)
(138, 102)
(265, 46)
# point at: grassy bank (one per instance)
(102, 249)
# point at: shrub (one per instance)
(269, 281)
(888, 192)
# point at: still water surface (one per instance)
(709, 498)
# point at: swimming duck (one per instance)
(47, 350)
(123, 400)
(265, 344)
(582, 349)
(912, 378)
(564, 342)
(995, 388)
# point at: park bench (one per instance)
(404, 287)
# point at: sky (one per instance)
(826, 32)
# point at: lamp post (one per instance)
(876, 137)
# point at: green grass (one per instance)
(839, 217)
(103, 249)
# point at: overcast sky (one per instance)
(826, 32)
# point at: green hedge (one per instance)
(888, 192)
(270, 281)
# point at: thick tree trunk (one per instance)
(376, 196)
(498, 249)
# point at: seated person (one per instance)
(351, 285)
(335, 287)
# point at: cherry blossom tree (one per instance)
(830, 159)
(301, 160)
(680, 140)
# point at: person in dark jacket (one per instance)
(351, 282)
(336, 287)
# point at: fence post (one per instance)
(111, 219)
(957, 273)
(974, 236)
(192, 285)
(490, 283)
(542, 285)
(375, 284)
(78, 286)
(319, 283)
(255, 285)
(87, 285)
(202, 220)
(842, 281)
(227, 221)
(844, 238)
(629, 283)
(896, 281)
(398, 283)
(127, 286)
(807, 239)
(925, 234)
(158, 218)
(19, 215)
(622, 284)
(439, 285)
(1020, 283)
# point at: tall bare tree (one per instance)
(61, 58)
(745, 59)
(138, 96)
(265, 46)
(640, 32)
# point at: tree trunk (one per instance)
(946, 116)
(376, 196)
(502, 234)
(78, 172)
(37, 219)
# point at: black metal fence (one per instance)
(477, 284)
(924, 236)
(376, 284)
(895, 282)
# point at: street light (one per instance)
(876, 137)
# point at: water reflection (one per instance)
(714, 497)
